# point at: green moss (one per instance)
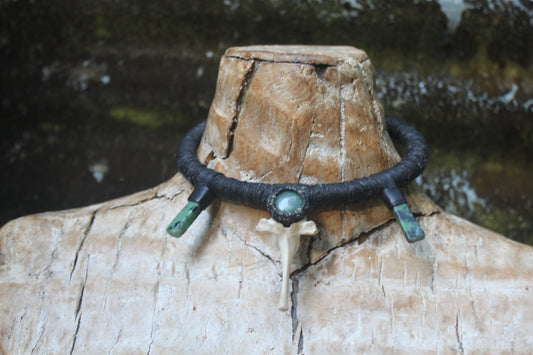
(100, 28)
(144, 118)
(493, 192)
(509, 222)
(49, 127)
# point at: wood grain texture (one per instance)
(107, 278)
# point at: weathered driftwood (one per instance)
(107, 278)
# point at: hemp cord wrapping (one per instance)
(319, 195)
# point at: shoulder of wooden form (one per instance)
(106, 278)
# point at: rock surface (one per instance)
(106, 278)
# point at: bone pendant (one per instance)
(289, 241)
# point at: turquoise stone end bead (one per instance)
(410, 227)
(288, 201)
(184, 219)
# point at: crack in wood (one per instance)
(78, 312)
(433, 273)
(296, 273)
(116, 339)
(311, 132)
(154, 329)
(241, 279)
(47, 277)
(116, 261)
(288, 155)
(75, 336)
(246, 243)
(380, 278)
(363, 236)
(155, 196)
(153, 332)
(241, 98)
(260, 60)
(457, 335)
(258, 250)
(188, 279)
(82, 241)
(294, 308)
(43, 329)
(301, 342)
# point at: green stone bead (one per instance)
(288, 201)
(410, 227)
(184, 219)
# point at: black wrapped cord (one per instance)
(259, 195)
(349, 192)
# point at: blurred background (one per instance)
(96, 94)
